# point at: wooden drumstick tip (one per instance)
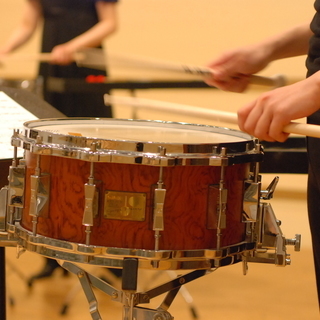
(276, 81)
(279, 80)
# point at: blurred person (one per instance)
(68, 26)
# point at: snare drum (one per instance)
(114, 188)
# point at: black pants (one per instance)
(80, 104)
(313, 146)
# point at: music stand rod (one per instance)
(3, 296)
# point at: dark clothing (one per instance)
(63, 21)
(313, 146)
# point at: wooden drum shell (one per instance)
(188, 217)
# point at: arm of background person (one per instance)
(108, 22)
(31, 16)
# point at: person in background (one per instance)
(68, 26)
(266, 116)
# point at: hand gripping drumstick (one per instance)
(275, 81)
(222, 116)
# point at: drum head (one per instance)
(137, 136)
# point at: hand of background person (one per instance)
(62, 55)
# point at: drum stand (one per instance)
(128, 296)
(3, 296)
(111, 279)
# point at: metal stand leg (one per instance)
(3, 296)
(183, 292)
(128, 297)
(186, 296)
(103, 273)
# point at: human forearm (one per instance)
(93, 37)
(232, 70)
(17, 39)
(25, 29)
(64, 53)
(290, 43)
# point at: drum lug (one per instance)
(251, 200)
(16, 185)
(90, 206)
(159, 198)
(90, 192)
(39, 195)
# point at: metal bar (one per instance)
(93, 303)
(176, 283)
(81, 85)
(166, 303)
(3, 296)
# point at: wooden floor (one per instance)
(266, 293)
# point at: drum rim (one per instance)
(113, 256)
(133, 151)
(204, 127)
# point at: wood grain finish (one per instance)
(185, 209)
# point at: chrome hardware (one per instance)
(251, 200)
(222, 203)
(296, 242)
(217, 205)
(268, 193)
(53, 137)
(16, 186)
(90, 192)
(3, 208)
(39, 195)
(222, 207)
(159, 198)
(271, 244)
(130, 302)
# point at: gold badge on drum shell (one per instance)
(121, 205)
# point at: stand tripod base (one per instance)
(128, 296)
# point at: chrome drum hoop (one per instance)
(40, 137)
(113, 257)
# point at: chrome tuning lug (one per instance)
(268, 193)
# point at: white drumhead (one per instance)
(154, 132)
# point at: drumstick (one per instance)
(83, 56)
(275, 81)
(222, 116)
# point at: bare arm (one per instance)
(63, 54)
(290, 43)
(25, 29)
(232, 69)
